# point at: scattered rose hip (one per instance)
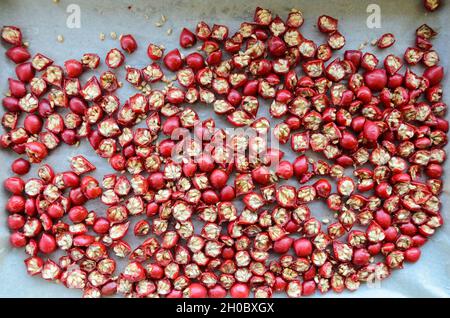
(356, 110)
(431, 5)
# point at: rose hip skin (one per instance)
(25, 72)
(33, 124)
(12, 35)
(17, 88)
(187, 38)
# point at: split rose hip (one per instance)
(386, 40)
(210, 197)
(205, 163)
(187, 38)
(14, 185)
(16, 221)
(170, 125)
(352, 111)
(11, 104)
(227, 193)
(434, 171)
(345, 186)
(156, 181)
(348, 141)
(165, 148)
(78, 214)
(134, 272)
(90, 61)
(175, 294)
(308, 288)
(55, 211)
(327, 24)
(25, 72)
(155, 52)
(17, 239)
(285, 170)
(412, 254)
(114, 58)
(128, 43)
(173, 61)
(301, 166)
(261, 175)
(277, 47)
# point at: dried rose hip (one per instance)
(128, 43)
(12, 35)
(187, 38)
(173, 61)
(114, 58)
(431, 5)
(386, 40)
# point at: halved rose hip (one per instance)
(114, 58)
(12, 35)
(173, 60)
(128, 43)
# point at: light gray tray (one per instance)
(42, 21)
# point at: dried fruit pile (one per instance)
(378, 117)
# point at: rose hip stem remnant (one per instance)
(379, 116)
